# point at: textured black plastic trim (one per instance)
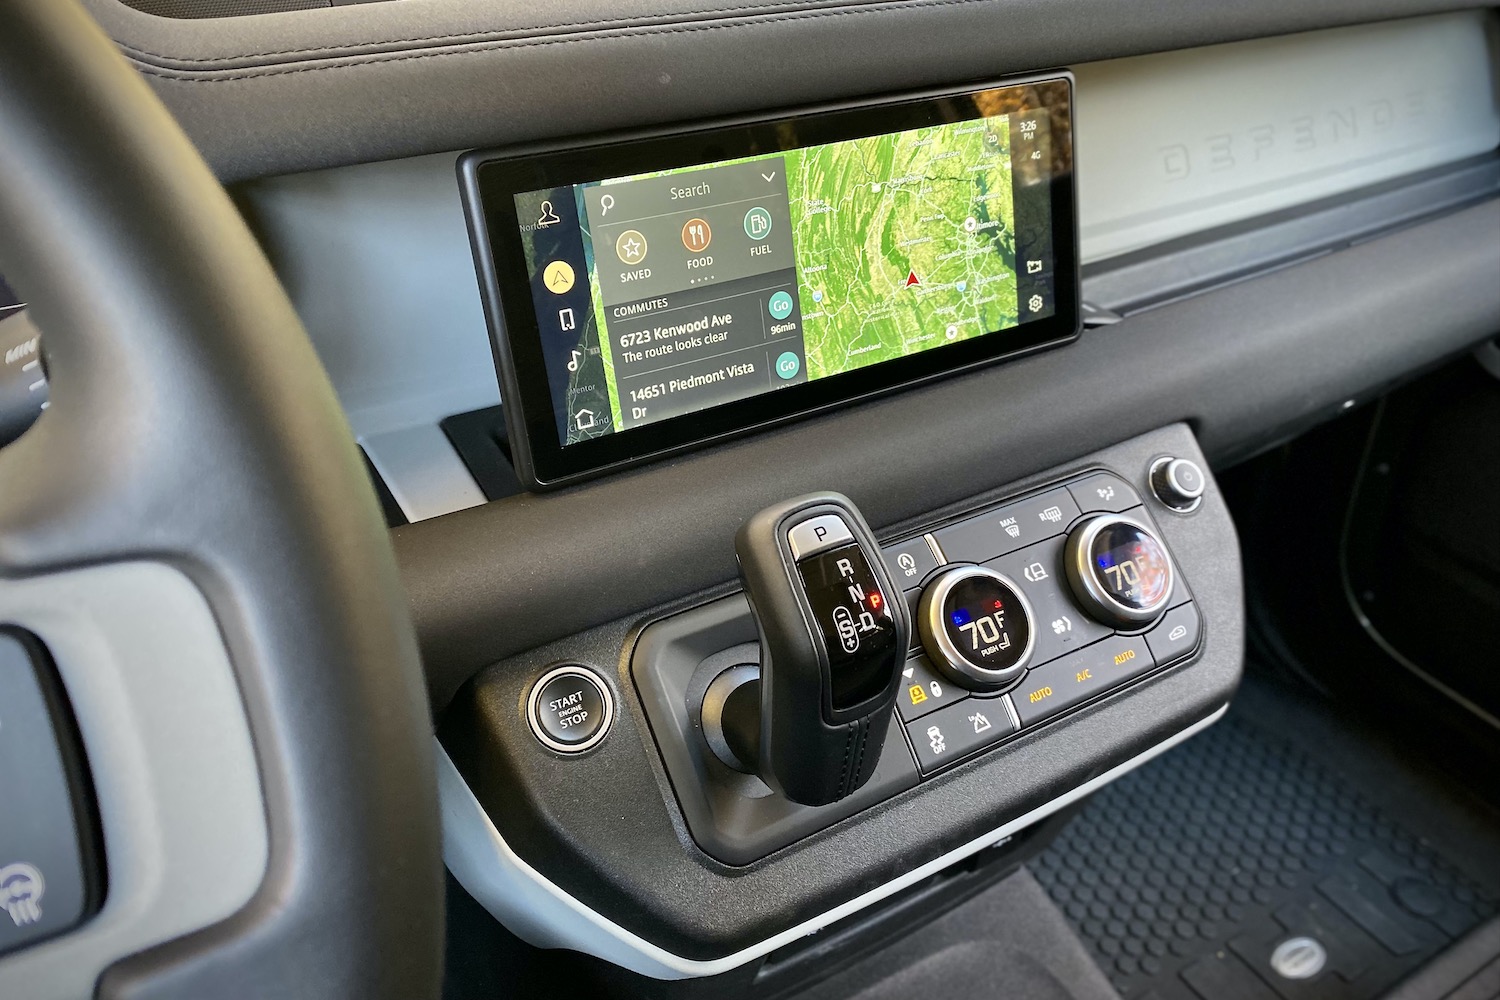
(482, 442)
(730, 815)
(274, 94)
(1174, 270)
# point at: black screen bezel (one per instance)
(491, 178)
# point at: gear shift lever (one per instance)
(834, 634)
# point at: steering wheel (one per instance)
(190, 532)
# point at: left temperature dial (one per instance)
(832, 644)
(976, 627)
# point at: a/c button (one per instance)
(570, 709)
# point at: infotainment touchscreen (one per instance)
(651, 294)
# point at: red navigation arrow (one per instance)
(912, 279)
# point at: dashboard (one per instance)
(843, 509)
(1199, 262)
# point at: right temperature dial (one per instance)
(1119, 570)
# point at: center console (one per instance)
(1023, 613)
(1059, 631)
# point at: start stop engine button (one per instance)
(570, 709)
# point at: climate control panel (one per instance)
(1032, 608)
(1018, 613)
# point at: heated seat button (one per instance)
(570, 709)
(1176, 635)
(953, 733)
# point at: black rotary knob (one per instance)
(1119, 570)
(1178, 483)
(977, 627)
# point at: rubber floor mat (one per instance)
(1187, 876)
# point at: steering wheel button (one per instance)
(570, 709)
(44, 875)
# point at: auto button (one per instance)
(1061, 684)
